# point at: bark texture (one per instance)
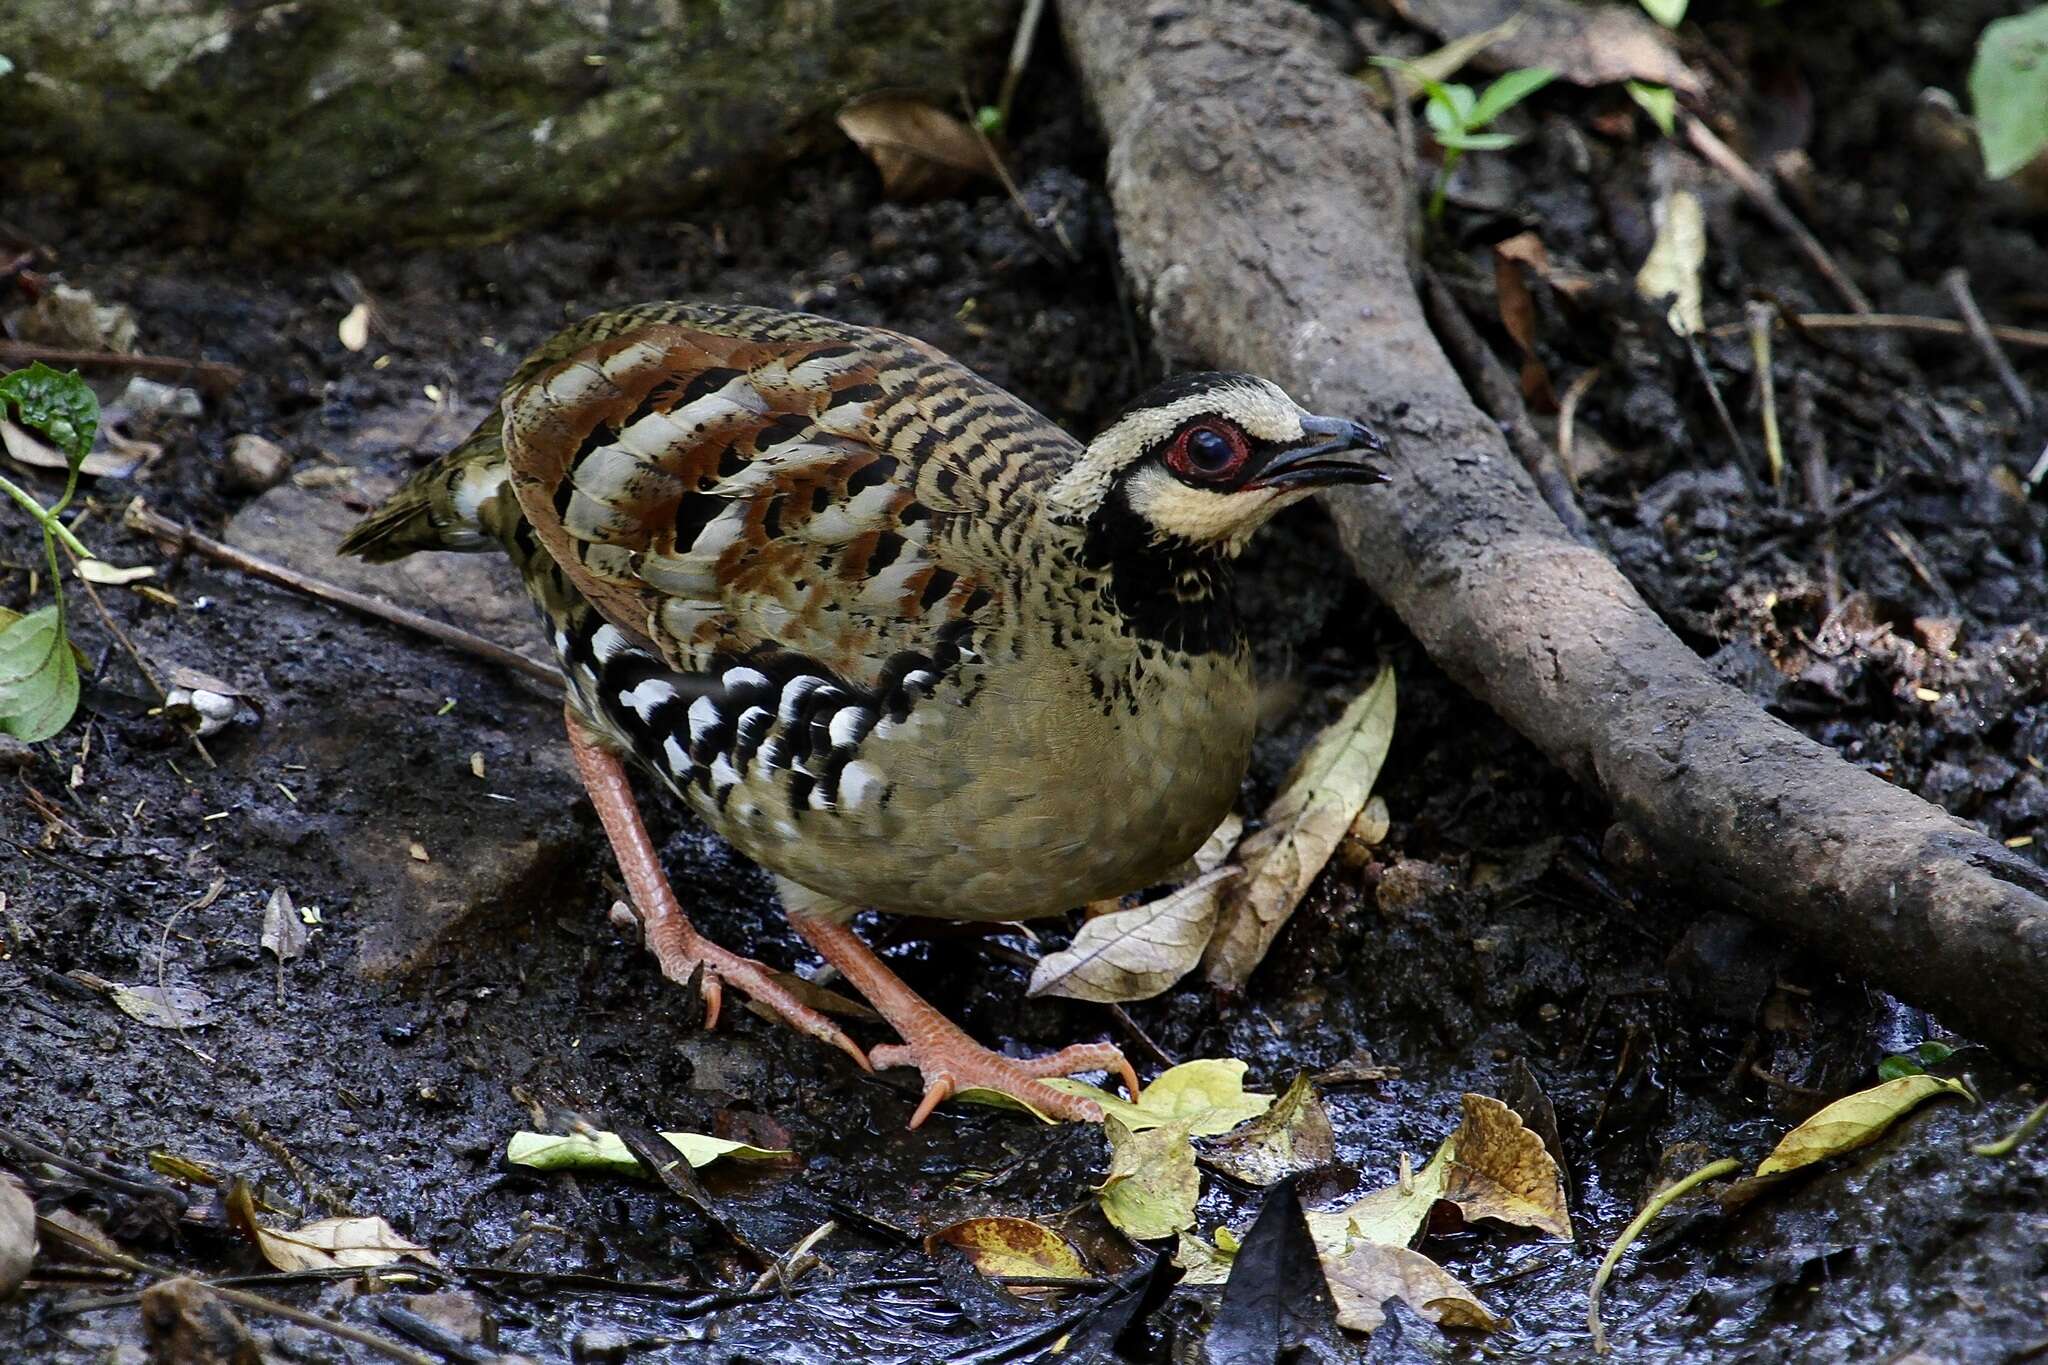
(1264, 221)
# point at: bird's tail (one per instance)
(442, 506)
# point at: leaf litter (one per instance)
(602, 1151)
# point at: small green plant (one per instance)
(1458, 116)
(38, 672)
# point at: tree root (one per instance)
(1264, 217)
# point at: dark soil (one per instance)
(1502, 921)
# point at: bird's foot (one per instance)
(951, 1062)
(685, 954)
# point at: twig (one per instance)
(1020, 55)
(1957, 282)
(1501, 396)
(1758, 316)
(1138, 1035)
(119, 633)
(1568, 416)
(241, 1298)
(1916, 560)
(214, 376)
(1743, 460)
(1760, 193)
(1634, 1230)
(1892, 322)
(141, 518)
(1820, 484)
(138, 1189)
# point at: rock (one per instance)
(255, 463)
(188, 1324)
(299, 527)
(150, 398)
(383, 121)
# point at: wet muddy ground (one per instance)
(465, 980)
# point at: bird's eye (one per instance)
(1208, 452)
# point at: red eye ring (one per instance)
(1209, 451)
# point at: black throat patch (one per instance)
(1178, 594)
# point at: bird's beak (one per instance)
(1332, 450)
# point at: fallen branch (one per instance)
(140, 518)
(1263, 215)
(216, 377)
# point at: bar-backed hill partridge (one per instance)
(895, 635)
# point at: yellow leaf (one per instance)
(1672, 269)
(606, 1152)
(1304, 824)
(1204, 1263)
(1855, 1120)
(1369, 1274)
(999, 1247)
(1153, 1184)
(1208, 1096)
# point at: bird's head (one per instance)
(1202, 461)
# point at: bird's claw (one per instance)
(953, 1062)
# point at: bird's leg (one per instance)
(674, 941)
(949, 1059)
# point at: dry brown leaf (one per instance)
(1369, 1274)
(107, 575)
(1294, 1135)
(325, 1243)
(102, 461)
(165, 1006)
(285, 934)
(1499, 1169)
(920, 151)
(1586, 44)
(1304, 825)
(1000, 1247)
(1518, 311)
(1135, 954)
(17, 1234)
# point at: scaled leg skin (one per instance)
(671, 937)
(934, 1044)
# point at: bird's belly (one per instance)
(1000, 802)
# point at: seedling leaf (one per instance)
(1507, 92)
(60, 404)
(38, 676)
(2009, 91)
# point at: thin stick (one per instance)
(142, 519)
(212, 375)
(1743, 460)
(1634, 1230)
(241, 1298)
(1957, 282)
(1759, 318)
(1766, 199)
(1568, 417)
(1501, 396)
(1020, 55)
(2009, 1144)
(1894, 322)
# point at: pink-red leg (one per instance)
(949, 1060)
(674, 941)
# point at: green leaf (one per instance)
(1206, 1096)
(1153, 1184)
(1897, 1065)
(1933, 1053)
(59, 405)
(38, 676)
(1658, 101)
(1855, 1121)
(1665, 12)
(1477, 142)
(1507, 92)
(1449, 107)
(2009, 91)
(989, 119)
(598, 1151)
